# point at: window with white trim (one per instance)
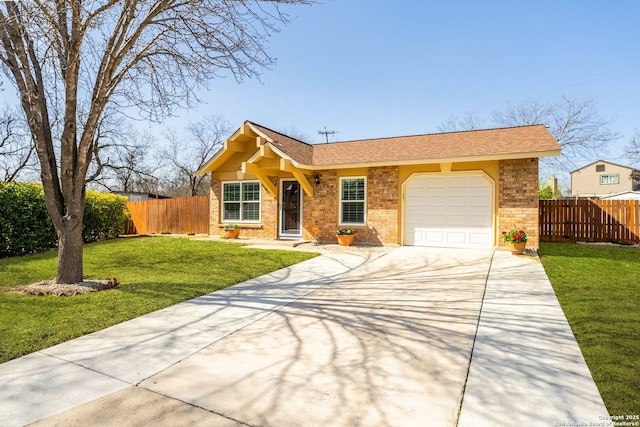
(609, 179)
(241, 201)
(353, 201)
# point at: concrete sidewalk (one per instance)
(349, 338)
(527, 368)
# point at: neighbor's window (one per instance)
(241, 201)
(609, 179)
(352, 201)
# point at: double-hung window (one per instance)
(609, 179)
(241, 201)
(353, 201)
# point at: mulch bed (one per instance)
(48, 287)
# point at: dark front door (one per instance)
(290, 209)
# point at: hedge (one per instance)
(25, 226)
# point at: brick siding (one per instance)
(518, 198)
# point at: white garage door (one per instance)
(451, 211)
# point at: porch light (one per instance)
(316, 179)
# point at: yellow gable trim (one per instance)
(287, 166)
(253, 169)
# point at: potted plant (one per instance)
(231, 231)
(345, 236)
(517, 238)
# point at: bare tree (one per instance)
(120, 155)
(469, 121)
(575, 123)
(16, 147)
(69, 59)
(632, 154)
(295, 133)
(632, 150)
(127, 168)
(188, 153)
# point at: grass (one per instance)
(599, 290)
(154, 272)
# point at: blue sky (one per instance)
(382, 68)
(377, 68)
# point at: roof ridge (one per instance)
(279, 133)
(434, 133)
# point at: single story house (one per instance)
(602, 178)
(456, 189)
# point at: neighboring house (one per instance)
(603, 178)
(136, 196)
(456, 189)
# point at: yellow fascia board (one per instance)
(253, 169)
(460, 159)
(287, 166)
(216, 161)
(264, 152)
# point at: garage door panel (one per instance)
(457, 220)
(435, 221)
(457, 181)
(479, 239)
(459, 201)
(449, 211)
(435, 182)
(456, 238)
(434, 236)
(480, 201)
(435, 202)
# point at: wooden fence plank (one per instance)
(590, 221)
(184, 215)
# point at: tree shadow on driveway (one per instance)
(386, 344)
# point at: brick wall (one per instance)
(214, 207)
(322, 209)
(518, 198)
(383, 198)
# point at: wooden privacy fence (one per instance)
(184, 215)
(590, 221)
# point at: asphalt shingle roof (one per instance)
(484, 143)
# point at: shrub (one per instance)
(25, 226)
(105, 216)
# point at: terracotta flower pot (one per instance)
(518, 248)
(345, 239)
(232, 233)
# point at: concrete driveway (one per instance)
(346, 339)
(386, 344)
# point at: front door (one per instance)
(290, 209)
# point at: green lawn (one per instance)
(154, 272)
(599, 290)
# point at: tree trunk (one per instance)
(70, 256)
(69, 230)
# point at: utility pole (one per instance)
(326, 133)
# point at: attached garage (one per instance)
(449, 210)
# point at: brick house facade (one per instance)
(503, 161)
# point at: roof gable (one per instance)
(606, 162)
(297, 150)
